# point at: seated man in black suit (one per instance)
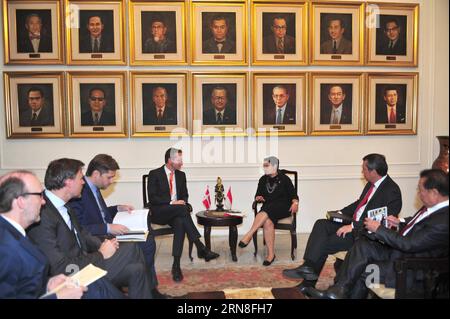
(161, 112)
(98, 114)
(68, 246)
(279, 42)
(392, 43)
(168, 196)
(392, 112)
(281, 112)
(423, 235)
(23, 267)
(220, 41)
(95, 40)
(37, 113)
(328, 237)
(221, 113)
(336, 112)
(35, 39)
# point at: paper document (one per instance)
(377, 214)
(136, 221)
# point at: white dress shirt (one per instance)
(336, 112)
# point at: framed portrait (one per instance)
(97, 104)
(392, 34)
(95, 32)
(218, 32)
(32, 32)
(392, 103)
(158, 104)
(219, 104)
(337, 34)
(336, 104)
(34, 104)
(280, 33)
(158, 32)
(279, 103)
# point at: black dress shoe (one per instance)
(207, 254)
(242, 244)
(301, 272)
(313, 293)
(267, 262)
(158, 295)
(177, 275)
(304, 285)
(336, 292)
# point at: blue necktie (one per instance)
(279, 119)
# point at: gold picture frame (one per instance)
(224, 91)
(388, 43)
(387, 92)
(32, 32)
(229, 45)
(337, 33)
(336, 102)
(34, 104)
(285, 92)
(291, 31)
(156, 20)
(91, 98)
(164, 90)
(95, 32)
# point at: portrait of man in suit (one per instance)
(279, 110)
(159, 36)
(96, 36)
(391, 40)
(337, 107)
(221, 39)
(334, 40)
(390, 109)
(222, 109)
(38, 111)
(34, 37)
(163, 109)
(279, 41)
(98, 112)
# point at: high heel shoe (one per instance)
(242, 244)
(268, 263)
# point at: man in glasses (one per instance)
(279, 42)
(392, 42)
(220, 112)
(97, 115)
(38, 112)
(159, 42)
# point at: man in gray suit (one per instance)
(337, 44)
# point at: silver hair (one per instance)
(272, 160)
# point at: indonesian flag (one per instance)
(229, 198)
(206, 199)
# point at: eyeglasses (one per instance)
(41, 194)
(278, 27)
(93, 98)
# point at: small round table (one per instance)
(205, 219)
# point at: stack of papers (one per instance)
(136, 222)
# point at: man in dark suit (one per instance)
(219, 42)
(393, 42)
(158, 42)
(95, 40)
(392, 112)
(328, 237)
(23, 267)
(423, 235)
(279, 42)
(337, 44)
(168, 196)
(68, 246)
(97, 115)
(97, 218)
(35, 39)
(160, 113)
(38, 113)
(336, 112)
(282, 112)
(221, 113)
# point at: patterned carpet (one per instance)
(218, 279)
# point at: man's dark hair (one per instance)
(219, 88)
(11, 187)
(391, 20)
(102, 163)
(376, 162)
(27, 19)
(279, 17)
(435, 179)
(97, 89)
(334, 18)
(159, 19)
(60, 170)
(35, 89)
(95, 16)
(390, 88)
(336, 85)
(219, 17)
(282, 87)
(159, 87)
(171, 153)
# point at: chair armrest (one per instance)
(189, 206)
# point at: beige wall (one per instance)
(329, 166)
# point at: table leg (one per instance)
(233, 235)
(207, 235)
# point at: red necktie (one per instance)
(392, 118)
(171, 183)
(363, 202)
(413, 221)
